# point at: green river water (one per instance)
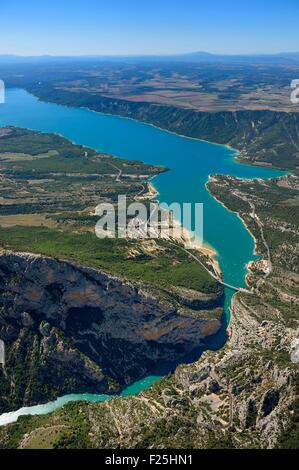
(190, 162)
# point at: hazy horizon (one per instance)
(152, 55)
(134, 27)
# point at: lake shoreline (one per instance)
(231, 154)
(255, 252)
(153, 192)
(186, 236)
(236, 152)
(227, 146)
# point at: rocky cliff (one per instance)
(245, 395)
(68, 328)
(261, 137)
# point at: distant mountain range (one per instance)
(283, 57)
(207, 57)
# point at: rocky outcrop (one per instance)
(245, 395)
(197, 300)
(68, 328)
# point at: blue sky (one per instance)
(80, 27)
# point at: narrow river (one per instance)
(190, 161)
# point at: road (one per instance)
(217, 278)
(143, 230)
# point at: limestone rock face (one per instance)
(68, 328)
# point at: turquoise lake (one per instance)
(190, 162)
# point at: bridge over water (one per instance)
(213, 274)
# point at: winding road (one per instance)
(143, 228)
